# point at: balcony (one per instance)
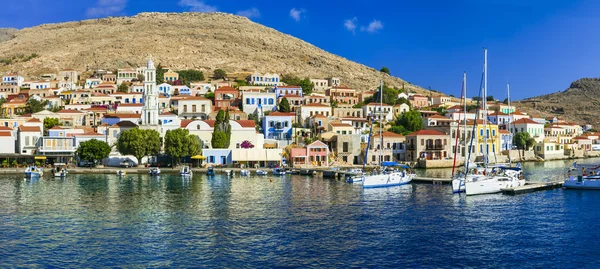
(410, 147)
(434, 147)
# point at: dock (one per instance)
(532, 187)
(432, 180)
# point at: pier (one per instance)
(532, 187)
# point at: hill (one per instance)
(203, 41)
(577, 104)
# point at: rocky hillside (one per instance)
(7, 33)
(204, 41)
(579, 103)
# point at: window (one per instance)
(247, 101)
(184, 108)
(194, 108)
(271, 124)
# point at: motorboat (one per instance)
(154, 171)
(210, 171)
(355, 178)
(185, 171)
(60, 172)
(391, 174)
(229, 173)
(244, 173)
(121, 173)
(279, 171)
(33, 172)
(589, 179)
(261, 173)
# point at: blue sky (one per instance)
(539, 46)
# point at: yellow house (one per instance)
(15, 106)
(171, 76)
(493, 138)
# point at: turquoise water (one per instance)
(295, 221)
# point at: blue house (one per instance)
(216, 157)
(285, 90)
(182, 89)
(278, 126)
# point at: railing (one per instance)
(58, 148)
(410, 147)
(434, 147)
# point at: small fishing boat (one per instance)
(60, 172)
(229, 173)
(121, 173)
(355, 179)
(154, 171)
(279, 171)
(185, 171)
(261, 173)
(244, 173)
(33, 172)
(210, 171)
(589, 179)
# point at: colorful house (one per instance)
(315, 154)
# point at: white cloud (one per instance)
(296, 14)
(105, 8)
(197, 6)
(350, 25)
(373, 27)
(249, 13)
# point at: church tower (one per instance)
(150, 96)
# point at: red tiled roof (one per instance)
(502, 131)
(33, 120)
(340, 124)
(5, 128)
(288, 96)
(69, 111)
(130, 105)
(426, 132)
(5, 134)
(226, 89)
(29, 128)
(289, 87)
(210, 123)
(277, 113)
(123, 115)
(391, 134)
(167, 114)
(56, 128)
(377, 104)
(125, 123)
(247, 123)
(316, 105)
(524, 121)
(185, 123)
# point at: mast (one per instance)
(380, 121)
(485, 130)
(465, 114)
(456, 144)
(509, 119)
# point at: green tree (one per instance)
(410, 120)
(219, 140)
(141, 77)
(505, 101)
(222, 131)
(49, 123)
(139, 143)
(284, 105)
(210, 95)
(384, 70)
(389, 96)
(399, 129)
(93, 150)
(403, 100)
(180, 143)
(490, 98)
(123, 87)
(219, 73)
(293, 80)
(160, 74)
(34, 106)
(188, 76)
(523, 140)
(241, 82)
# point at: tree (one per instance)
(160, 74)
(292, 80)
(139, 143)
(34, 106)
(389, 96)
(219, 73)
(241, 82)
(222, 131)
(399, 129)
(210, 95)
(402, 100)
(410, 120)
(385, 70)
(123, 87)
(49, 123)
(188, 76)
(523, 141)
(180, 143)
(284, 105)
(141, 77)
(505, 101)
(490, 98)
(93, 150)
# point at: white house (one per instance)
(7, 140)
(378, 112)
(278, 126)
(194, 106)
(28, 137)
(265, 80)
(535, 129)
(258, 102)
(13, 79)
(39, 85)
(309, 110)
(165, 88)
(130, 108)
(288, 90)
(91, 83)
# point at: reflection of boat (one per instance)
(154, 171)
(229, 172)
(587, 180)
(210, 171)
(331, 172)
(60, 172)
(185, 171)
(261, 173)
(306, 172)
(279, 171)
(33, 172)
(244, 173)
(121, 173)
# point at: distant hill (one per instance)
(580, 103)
(7, 33)
(203, 41)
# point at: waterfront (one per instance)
(296, 221)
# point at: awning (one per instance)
(40, 157)
(243, 155)
(198, 157)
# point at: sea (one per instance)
(100, 221)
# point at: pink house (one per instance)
(315, 154)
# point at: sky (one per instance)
(538, 46)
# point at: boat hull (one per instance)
(482, 186)
(458, 185)
(582, 184)
(386, 180)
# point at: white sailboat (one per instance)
(388, 174)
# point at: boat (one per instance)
(121, 173)
(261, 173)
(60, 172)
(458, 181)
(33, 172)
(154, 171)
(210, 171)
(279, 171)
(331, 172)
(244, 173)
(589, 179)
(354, 175)
(391, 174)
(185, 171)
(229, 173)
(306, 172)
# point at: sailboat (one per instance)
(390, 173)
